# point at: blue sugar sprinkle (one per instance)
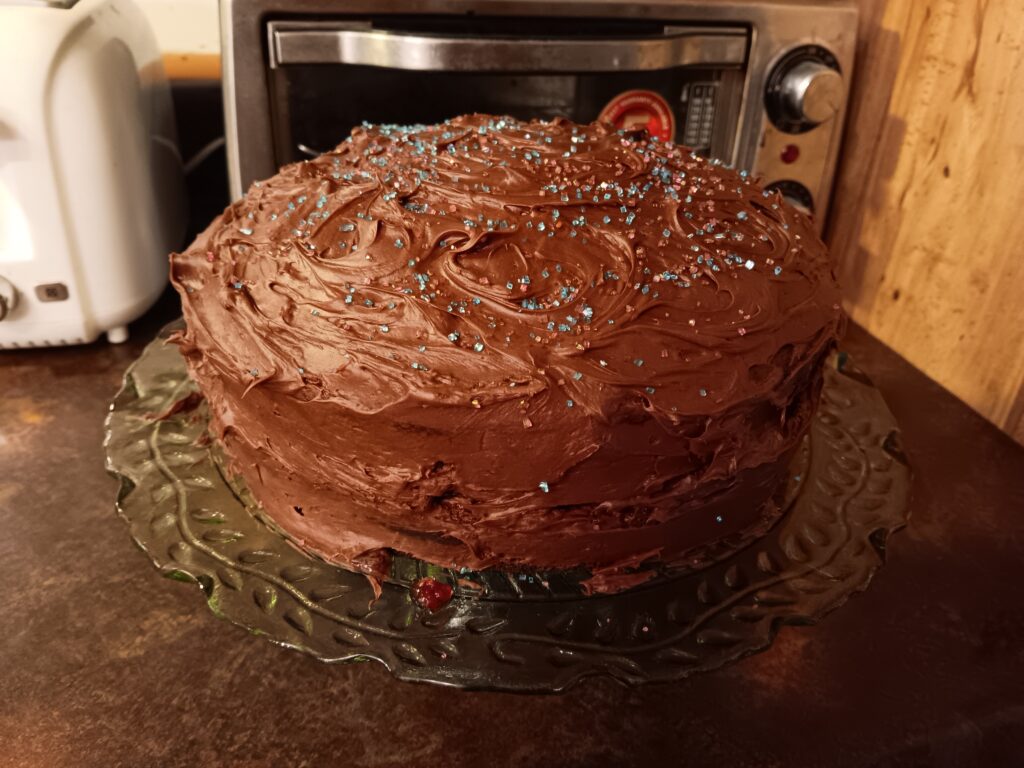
(629, 218)
(399, 243)
(237, 285)
(638, 362)
(453, 336)
(577, 375)
(569, 403)
(749, 264)
(778, 270)
(543, 485)
(719, 519)
(245, 230)
(649, 390)
(385, 328)
(478, 347)
(703, 392)
(742, 215)
(666, 232)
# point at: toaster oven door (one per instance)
(326, 77)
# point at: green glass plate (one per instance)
(848, 491)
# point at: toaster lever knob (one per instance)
(8, 297)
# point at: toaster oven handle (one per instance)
(334, 43)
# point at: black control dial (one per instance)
(804, 89)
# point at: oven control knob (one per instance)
(804, 90)
(812, 92)
(8, 298)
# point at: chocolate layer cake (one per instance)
(492, 343)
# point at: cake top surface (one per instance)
(488, 260)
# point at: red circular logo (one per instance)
(633, 110)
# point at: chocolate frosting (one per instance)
(502, 343)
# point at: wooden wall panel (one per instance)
(928, 214)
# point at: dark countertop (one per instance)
(105, 663)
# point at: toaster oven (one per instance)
(757, 84)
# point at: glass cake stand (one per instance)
(528, 632)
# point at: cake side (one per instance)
(491, 342)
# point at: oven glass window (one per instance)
(316, 105)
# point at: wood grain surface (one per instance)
(928, 214)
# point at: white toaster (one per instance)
(91, 191)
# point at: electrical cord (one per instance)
(199, 157)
